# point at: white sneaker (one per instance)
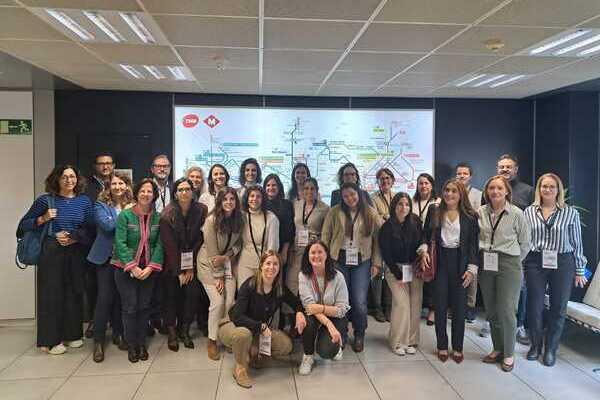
(56, 350)
(399, 351)
(485, 329)
(306, 365)
(75, 343)
(410, 350)
(339, 355)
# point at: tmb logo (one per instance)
(190, 120)
(211, 121)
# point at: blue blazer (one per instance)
(105, 218)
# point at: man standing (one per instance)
(464, 173)
(104, 166)
(161, 169)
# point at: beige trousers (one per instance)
(219, 305)
(406, 311)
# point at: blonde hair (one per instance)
(260, 286)
(506, 185)
(560, 196)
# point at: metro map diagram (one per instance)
(401, 140)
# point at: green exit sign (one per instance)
(15, 127)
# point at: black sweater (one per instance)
(251, 309)
(284, 211)
(399, 244)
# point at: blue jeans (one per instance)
(358, 278)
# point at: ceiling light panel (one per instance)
(571, 43)
(155, 72)
(487, 81)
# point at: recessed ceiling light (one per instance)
(138, 27)
(507, 81)
(177, 73)
(469, 80)
(104, 25)
(558, 42)
(131, 71)
(589, 51)
(155, 72)
(489, 80)
(577, 45)
(70, 24)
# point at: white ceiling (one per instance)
(412, 48)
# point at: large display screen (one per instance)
(401, 140)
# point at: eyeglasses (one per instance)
(105, 164)
(184, 190)
(162, 166)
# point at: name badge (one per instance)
(302, 237)
(490, 261)
(351, 254)
(407, 273)
(264, 345)
(549, 259)
(228, 271)
(187, 260)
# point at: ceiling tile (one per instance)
(346, 90)
(119, 5)
(204, 31)
(238, 8)
(212, 77)
(134, 54)
(325, 9)
(359, 78)
(18, 23)
(278, 76)
(382, 62)
(230, 87)
(7, 3)
(309, 34)
(436, 11)
(594, 23)
(452, 64)
(559, 13)
(167, 86)
(43, 52)
(289, 89)
(300, 60)
(405, 37)
(394, 91)
(214, 57)
(580, 71)
(514, 38)
(422, 80)
(526, 65)
(83, 71)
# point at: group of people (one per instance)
(257, 267)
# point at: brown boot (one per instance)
(240, 374)
(213, 350)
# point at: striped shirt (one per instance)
(71, 213)
(561, 233)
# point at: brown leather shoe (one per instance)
(240, 374)
(443, 357)
(492, 360)
(212, 350)
(458, 357)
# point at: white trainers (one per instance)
(485, 329)
(75, 343)
(339, 355)
(55, 350)
(306, 365)
(410, 350)
(400, 351)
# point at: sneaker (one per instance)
(485, 329)
(339, 355)
(522, 336)
(306, 365)
(75, 343)
(410, 350)
(56, 350)
(471, 315)
(399, 351)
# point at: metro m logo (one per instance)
(211, 121)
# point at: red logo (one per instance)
(190, 120)
(211, 121)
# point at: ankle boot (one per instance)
(187, 340)
(534, 352)
(213, 350)
(172, 342)
(98, 352)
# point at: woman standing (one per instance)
(399, 238)
(348, 173)
(451, 229)
(249, 333)
(300, 173)
(196, 175)
(324, 296)
(218, 178)
(222, 243)
(111, 201)
(181, 234)
(250, 175)
(556, 260)
(260, 233)
(424, 196)
(138, 257)
(504, 240)
(351, 230)
(283, 210)
(59, 278)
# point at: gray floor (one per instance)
(25, 373)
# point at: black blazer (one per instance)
(469, 237)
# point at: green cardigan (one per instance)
(132, 237)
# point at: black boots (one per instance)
(172, 342)
(98, 352)
(185, 336)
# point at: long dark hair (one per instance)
(242, 177)
(293, 192)
(417, 195)
(363, 209)
(411, 224)
(464, 205)
(211, 184)
(280, 190)
(53, 180)
(340, 174)
(223, 223)
(255, 188)
(307, 268)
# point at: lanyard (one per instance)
(262, 242)
(162, 194)
(548, 223)
(304, 216)
(421, 210)
(222, 252)
(316, 288)
(387, 204)
(495, 226)
(353, 222)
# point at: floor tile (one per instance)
(269, 383)
(35, 364)
(184, 359)
(29, 389)
(179, 385)
(336, 381)
(15, 341)
(113, 387)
